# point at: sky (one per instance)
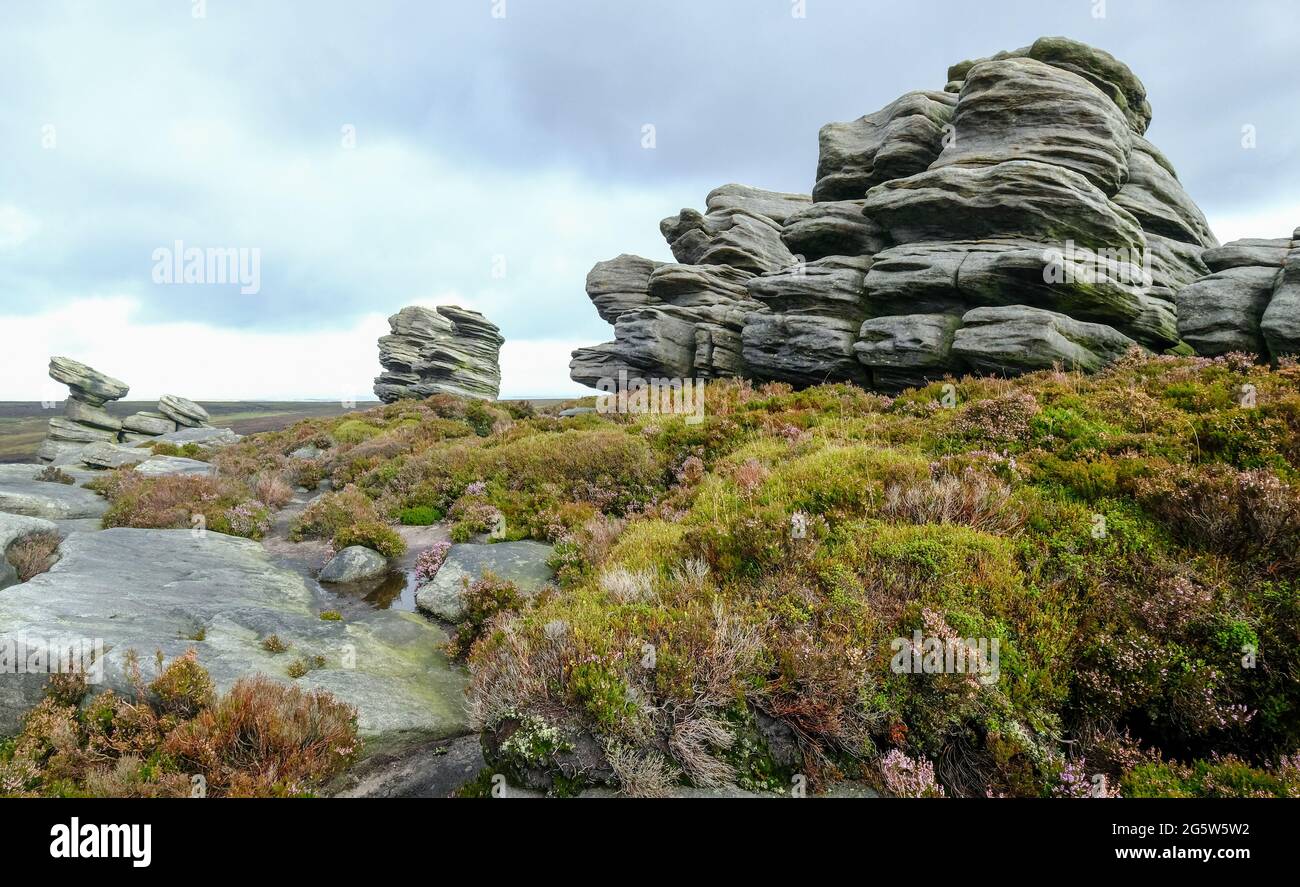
(486, 153)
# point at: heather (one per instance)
(175, 736)
(732, 591)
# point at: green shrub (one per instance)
(420, 516)
(373, 535)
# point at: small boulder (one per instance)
(523, 563)
(353, 564)
(182, 411)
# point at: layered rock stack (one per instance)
(1014, 221)
(84, 420)
(443, 350)
(1250, 302)
(86, 432)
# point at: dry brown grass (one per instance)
(33, 554)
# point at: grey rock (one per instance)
(150, 424)
(443, 350)
(147, 590)
(909, 350)
(35, 498)
(575, 411)
(803, 350)
(592, 364)
(1222, 312)
(1019, 198)
(620, 285)
(89, 385)
(833, 228)
(429, 770)
(1245, 253)
(353, 564)
(308, 452)
(107, 455)
(183, 412)
(1111, 76)
(523, 563)
(1022, 109)
(83, 413)
(61, 429)
(60, 452)
(158, 466)
(14, 527)
(735, 237)
(1280, 324)
(775, 205)
(899, 140)
(204, 437)
(830, 287)
(1018, 339)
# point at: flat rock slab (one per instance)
(523, 563)
(150, 590)
(157, 466)
(52, 501)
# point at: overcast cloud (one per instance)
(486, 143)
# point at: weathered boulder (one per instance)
(1028, 199)
(620, 285)
(907, 350)
(523, 563)
(108, 455)
(353, 564)
(443, 350)
(91, 386)
(1016, 339)
(1251, 302)
(184, 412)
(148, 424)
(79, 412)
(803, 350)
(899, 140)
(834, 228)
(1022, 109)
(61, 429)
(1281, 321)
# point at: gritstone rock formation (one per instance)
(1015, 220)
(87, 433)
(1251, 301)
(446, 350)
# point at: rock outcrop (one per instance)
(1249, 302)
(88, 434)
(1018, 219)
(443, 350)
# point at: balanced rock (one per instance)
(1016, 220)
(443, 350)
(86, 384)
